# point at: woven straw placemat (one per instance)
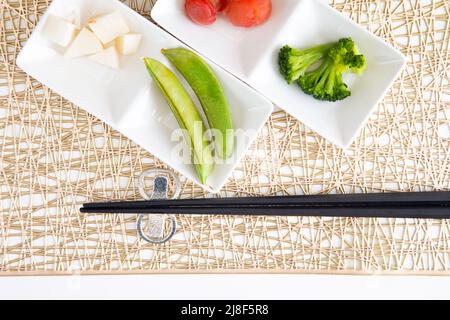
(54, 156)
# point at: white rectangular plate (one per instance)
(252, 55)
(127, 99)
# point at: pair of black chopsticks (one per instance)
(426, 205)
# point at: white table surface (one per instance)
(225, 287)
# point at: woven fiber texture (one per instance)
(54, 156)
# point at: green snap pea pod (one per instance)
(187, 115)
(211, 95)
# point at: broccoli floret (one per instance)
(357, 63)
(325, 83)
(294, 63)
(347, 56)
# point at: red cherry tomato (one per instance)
(201, 11)
(248, 13)
(220, 4)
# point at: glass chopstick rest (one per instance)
(158, 229)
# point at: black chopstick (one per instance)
(367, 199)
(423, 212)
(434, 205)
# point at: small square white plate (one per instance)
(127, 99)
(252, 55)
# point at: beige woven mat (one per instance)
(54, 156)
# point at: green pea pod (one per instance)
(187, 115)
(211, 95)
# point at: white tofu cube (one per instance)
(59, 31)
(128, 43)
(85, 44)
(74, 17)
(108, 57)
(109, 27)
